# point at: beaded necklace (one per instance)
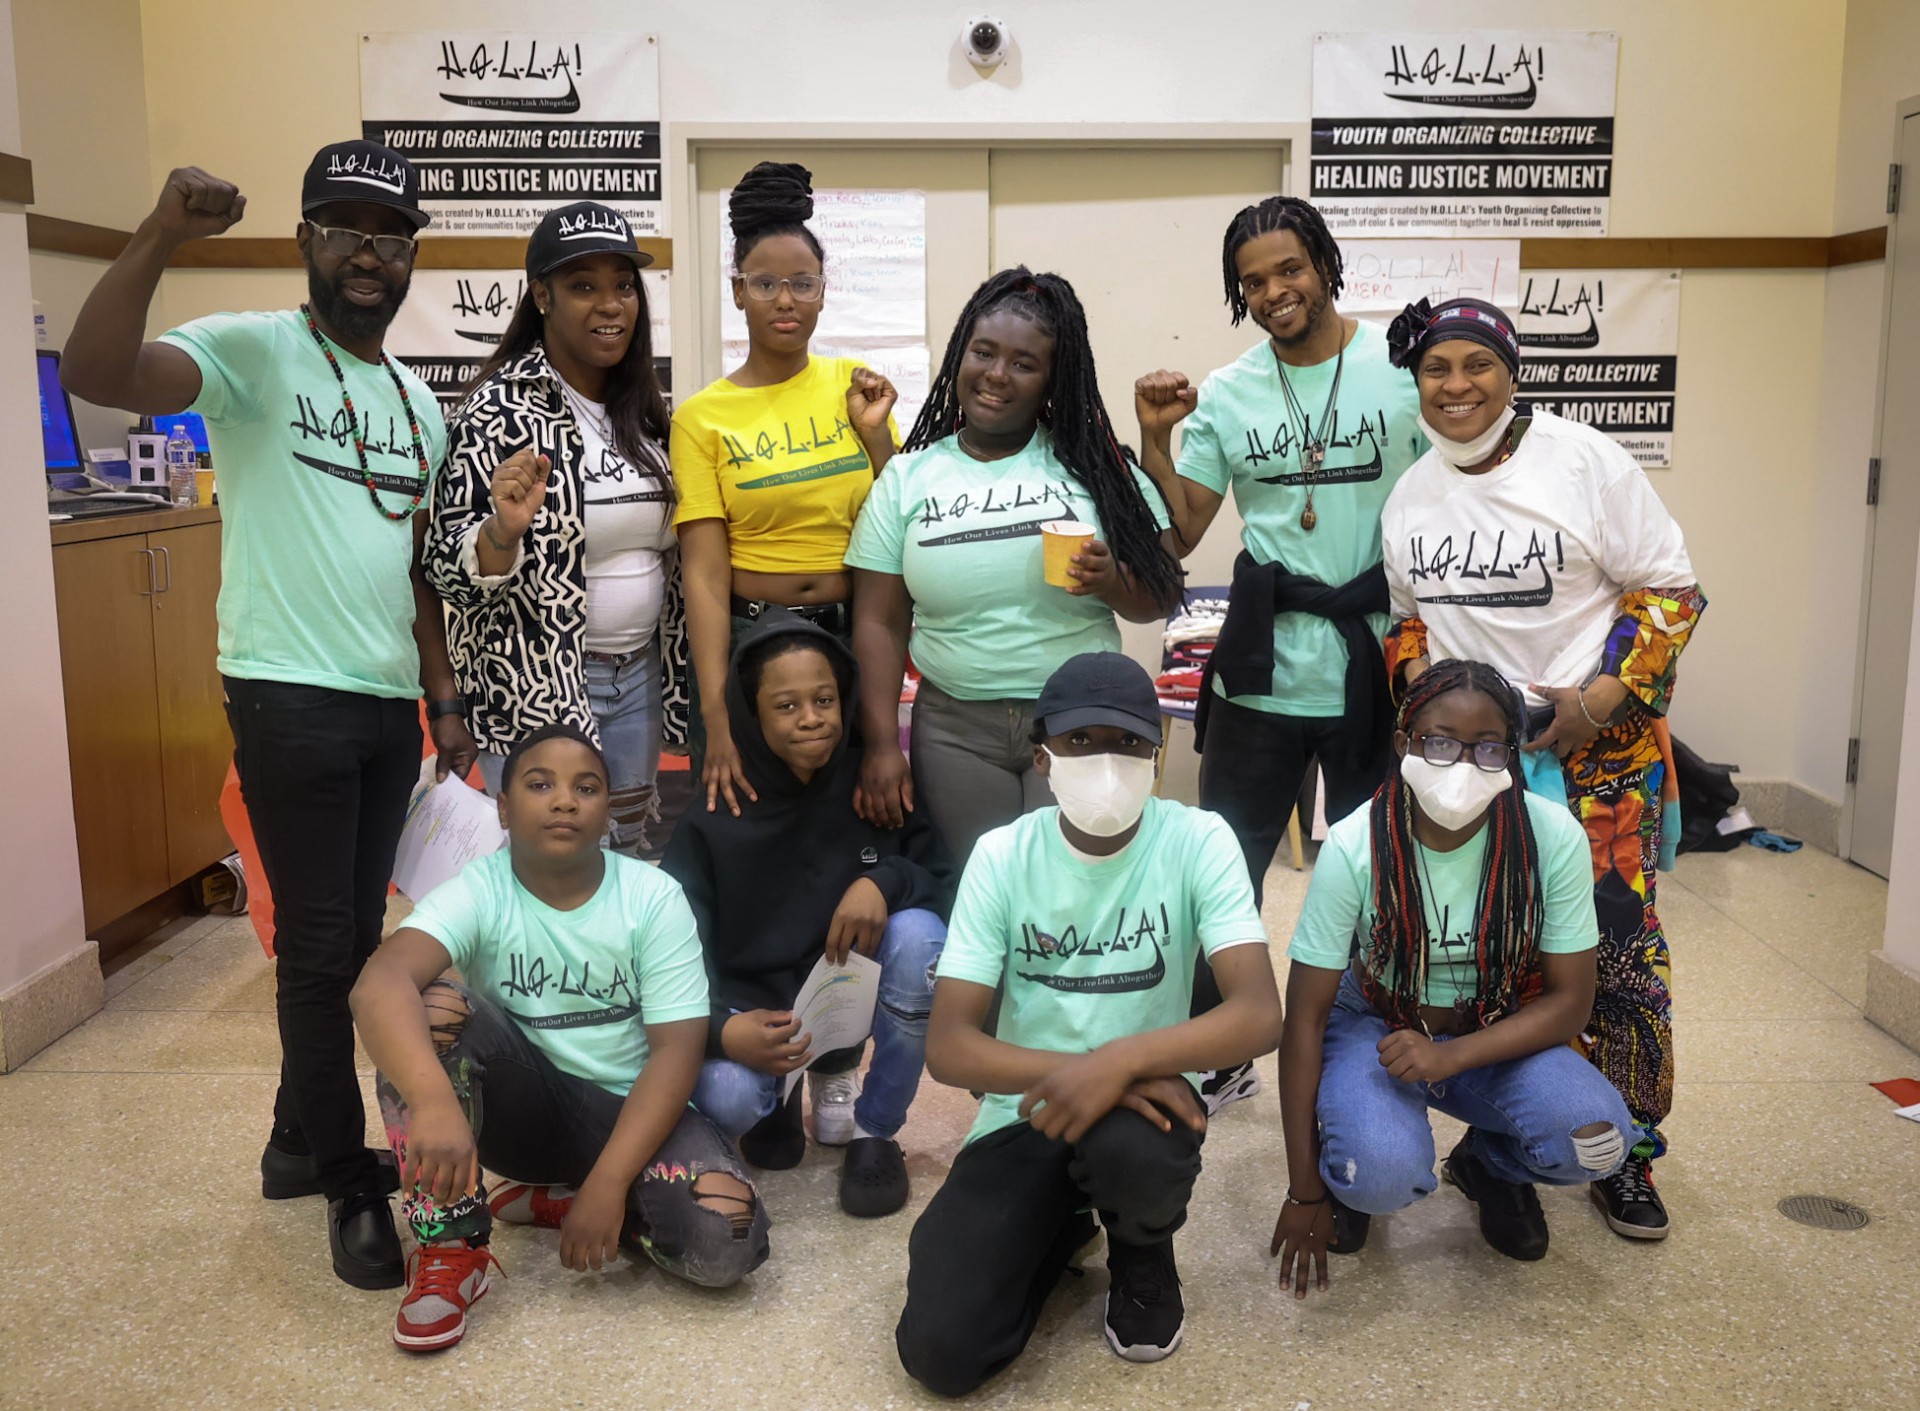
(353, 421)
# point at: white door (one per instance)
(1896, 534)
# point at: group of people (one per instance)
(1466, 612)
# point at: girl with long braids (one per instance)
(1013, 435)
(1466, 904)
(1538, 545)
(772, 463)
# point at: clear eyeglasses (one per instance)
(343, 243)
(807, 288)
(1490, 755)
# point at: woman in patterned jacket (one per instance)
(552, 539)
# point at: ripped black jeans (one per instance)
(536, 1124)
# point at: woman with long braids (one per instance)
(1466, 904)
(551, 540)
(772, 462)
(1538, 545)
(1013, 435)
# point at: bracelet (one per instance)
(1580, 695)
(453, 705)
(1293, 1199)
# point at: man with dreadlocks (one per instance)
(1012, 435)
(1312, 428)
(1466, 905)
(1538, 545)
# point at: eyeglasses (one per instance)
(807, 288)
(1490, 755)
(343, 243)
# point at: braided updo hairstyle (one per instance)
(774, 198)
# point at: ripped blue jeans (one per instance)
(1376, 1145)
(736, 1097)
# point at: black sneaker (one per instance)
(1510, 1215)
(287, 1175)
(1630, 1203)
(1145, 1316)
(873, 1177)
(366, 1247)
(1225, 1085)
(778, 1140)
(1350, 1228)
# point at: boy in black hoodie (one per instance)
(795, 874)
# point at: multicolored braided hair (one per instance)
(1083, 439)
(1509, 909)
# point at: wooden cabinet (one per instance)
(147, 733)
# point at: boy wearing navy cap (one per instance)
(328, 634)
(1092, 916)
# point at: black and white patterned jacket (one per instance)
(518, 646)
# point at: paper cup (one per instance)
(1060, 540)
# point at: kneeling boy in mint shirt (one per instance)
(564, 1062)
(1092, 915)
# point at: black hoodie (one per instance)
(764, 886)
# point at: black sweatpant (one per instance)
(325, 775)
(994, 1239)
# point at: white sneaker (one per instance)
(833, 1096)
(1225, 1085)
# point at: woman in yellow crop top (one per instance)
(771, 463)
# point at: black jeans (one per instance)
(325, 775)
(993, 1240)
(536, 1124)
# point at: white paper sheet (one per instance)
(835, 1008)
(448, 825)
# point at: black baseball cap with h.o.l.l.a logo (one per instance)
(584, 228)
(366, 172)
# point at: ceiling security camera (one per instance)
(985, 39)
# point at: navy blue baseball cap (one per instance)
(1100, 688)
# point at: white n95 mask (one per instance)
(1453, 795)
(1100, 794)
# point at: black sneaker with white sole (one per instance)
(1225, 1085)
(1511, 1219)
(1632, 1206)
(1146, 1317)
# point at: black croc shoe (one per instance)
(1510, 1215)
(366, 1247)
(873, 1177)
(777, 1141)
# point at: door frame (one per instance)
(695, 286)
(1902, 112)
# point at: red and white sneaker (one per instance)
(444, 1280)
(514, 1203)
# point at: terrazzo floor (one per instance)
(140, 1269)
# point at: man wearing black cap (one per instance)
(326, 449)
(1092, 915)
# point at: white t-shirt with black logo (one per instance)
(1523, 567)
(629, 524)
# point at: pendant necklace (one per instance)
(1313, 449)
(1464, 1003)
(353, 424)
(601, 421)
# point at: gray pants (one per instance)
(973, 765)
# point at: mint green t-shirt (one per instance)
(1338, 908)
(965, 534)
(1239, 435)
(315, 585)
(581, 983)
(1093, 951)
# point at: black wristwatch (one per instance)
(453, 705)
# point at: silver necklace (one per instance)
(601, 422)
(1312, 449)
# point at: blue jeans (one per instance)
(625, 697)
(1376, 1147)
(735, 1097)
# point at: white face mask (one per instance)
(1100, 794)
(1453, 795)
(1466, 454)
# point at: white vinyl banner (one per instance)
(504, 127)
(1602, 346)
(1468, 133)
(1381, 277)
(453, 320)
(876, 299)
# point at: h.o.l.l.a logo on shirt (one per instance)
(1117, 949)
(589, 225)
(364, 169)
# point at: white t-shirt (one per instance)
(1523, 567)
(628, 516)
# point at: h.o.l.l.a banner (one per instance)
(1464, 133)
(1601, 346)
(504, 127)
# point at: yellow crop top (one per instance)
(781, 465)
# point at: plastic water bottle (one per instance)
(182, 464)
